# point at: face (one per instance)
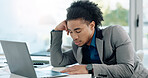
(81, 31)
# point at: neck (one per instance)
(90, 39)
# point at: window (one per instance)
(31, 21)
(145, 32)
(115, 12)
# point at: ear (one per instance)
(92, 25)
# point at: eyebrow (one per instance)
(75, 29)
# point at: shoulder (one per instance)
(113, 28)
(116, 34)
(109, 31)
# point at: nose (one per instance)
(74, 36)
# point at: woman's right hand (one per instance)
(62, 26)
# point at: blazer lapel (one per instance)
(99, 44)
(79, 55)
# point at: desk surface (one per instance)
(5, 73)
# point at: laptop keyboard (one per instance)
(48, 73)
(2, 59)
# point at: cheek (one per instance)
(84, 36)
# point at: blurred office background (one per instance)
(31, 21)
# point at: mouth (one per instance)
(77, 43)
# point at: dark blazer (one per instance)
(115, 50)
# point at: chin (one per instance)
(80, 45)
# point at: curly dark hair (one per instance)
(86, 10)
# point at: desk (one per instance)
(5, 73)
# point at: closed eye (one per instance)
(78, 31)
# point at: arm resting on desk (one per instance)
(58, 58)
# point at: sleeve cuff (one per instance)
(56, 30)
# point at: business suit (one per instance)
(115, 50)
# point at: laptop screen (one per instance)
(19, 60)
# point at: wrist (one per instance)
(89, 67)
(56, 30)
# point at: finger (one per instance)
(66, 28)
(67, 32)
(71, 73)
(68, 70)
(65, 70)
(74, 72)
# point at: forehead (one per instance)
(77, 23)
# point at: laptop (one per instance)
(20, 63)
